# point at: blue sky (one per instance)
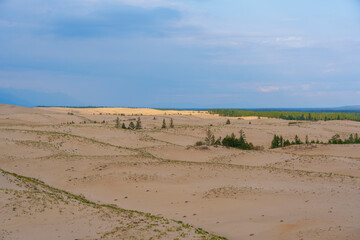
(173, 53)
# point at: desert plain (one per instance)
(68, 173)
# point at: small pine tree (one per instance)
(123, 126)
(275, 142)
(171, 123)
(210, 138)
(163, 124)
(131, 125)
(287, 143)
(297, 140)
(138, 123)
(351, 139)
(117, 124)
(228, 122)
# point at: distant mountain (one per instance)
(354, 108)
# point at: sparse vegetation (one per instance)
(352, 139)
(210, 138)
(41, 196)
(279, 141)
(117, 122)
(171, 123)
(229, 141)
(199, 143)
(232, 141)
(163, 124)
(131, 125)
(138, 123)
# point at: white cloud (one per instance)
(305, 86)
(286, 39)
(269, 89)
(330, 70)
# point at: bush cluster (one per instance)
(228, 141)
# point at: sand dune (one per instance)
(298, 192)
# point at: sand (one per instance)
(298, 192)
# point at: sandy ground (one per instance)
(298, 192)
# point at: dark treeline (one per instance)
(352, 139)
(305, 116)
(279, 141)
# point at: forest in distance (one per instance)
(302, 116)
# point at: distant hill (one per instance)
(355, 108)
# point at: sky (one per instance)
(180, 53)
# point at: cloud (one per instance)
(269, 89)
(287, 39)
(305, 86)
(330, 70)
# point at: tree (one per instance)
(210, 138)
(123, 126)
(335, 139)
(171, 123)
(351, 139)
(232, 141)
(117, 124)
(138, 123)
(309, 117)
(228, 122)
(307, 139)
(218, 141)
(163, 124)
(275, 142)
(131, 125)
(287, 143)
(297, 140)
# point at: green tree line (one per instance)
(304, 116)
(279, 141)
